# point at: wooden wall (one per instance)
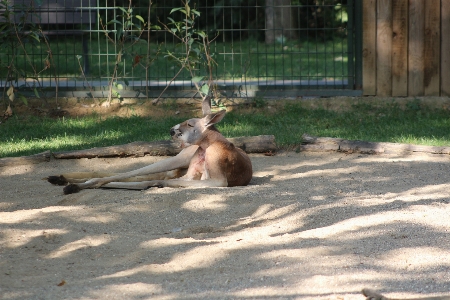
(406, 47)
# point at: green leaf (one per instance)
(197, 79)
(113, 21)
(205, 89)
(140, 18)
(123, 9)
(35, 36)
(24, 100)
(201, 33)
(119, 86)
(78, 56)
(119, 32)
(195, 12)
(36, 93)
(175, 9)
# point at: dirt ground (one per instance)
(74, 107)
(309, 226)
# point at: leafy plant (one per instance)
(126, 31)
(195, 50)
(18, 32)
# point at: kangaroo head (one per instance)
(192, 131)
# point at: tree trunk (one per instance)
(279, 21)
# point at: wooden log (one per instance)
(25, 160)
(137, 149)
(397, 148)
(311, 143)
(319, 144)
(321, 147)
(373, 295)
(251, 144)
(255, 144)
(360, 147)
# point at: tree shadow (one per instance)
(310, 226)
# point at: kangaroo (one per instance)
(208, 159)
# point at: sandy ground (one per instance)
(309, 226)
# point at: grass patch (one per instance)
(235, 60)
(389, 123)
(34, 134)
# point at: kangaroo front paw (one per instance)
(58, 180)
(71, 189)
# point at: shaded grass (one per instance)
(288, 122)
(363, 122)
(249, 58)
(35, 134)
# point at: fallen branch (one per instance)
(372, 295)
(250, 144)
(312, 143)
(25, 160)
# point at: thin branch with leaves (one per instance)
(196, 50)
(124, 32)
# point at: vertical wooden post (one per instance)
(400, 48)
(432, 41)
(416, 48)
(384, 47)
(369, 62)
(445, 48)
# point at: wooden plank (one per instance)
(250, 144)
(445, 48)
(416, 47)
(369, 62)
(313, 143)
(25, 160)
(384, 48)
(432, 41)
(400, 48)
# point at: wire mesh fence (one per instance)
(260, 47)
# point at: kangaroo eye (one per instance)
(190, 125)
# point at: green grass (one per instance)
(35, 134)
(291, 60)
(414, 124)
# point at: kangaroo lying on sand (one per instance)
(208, 159)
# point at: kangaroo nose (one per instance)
(172, 132)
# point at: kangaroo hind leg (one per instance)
(79, 177)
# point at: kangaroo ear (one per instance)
(214, 118)
(206, 105)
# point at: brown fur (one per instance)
(207, 160)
